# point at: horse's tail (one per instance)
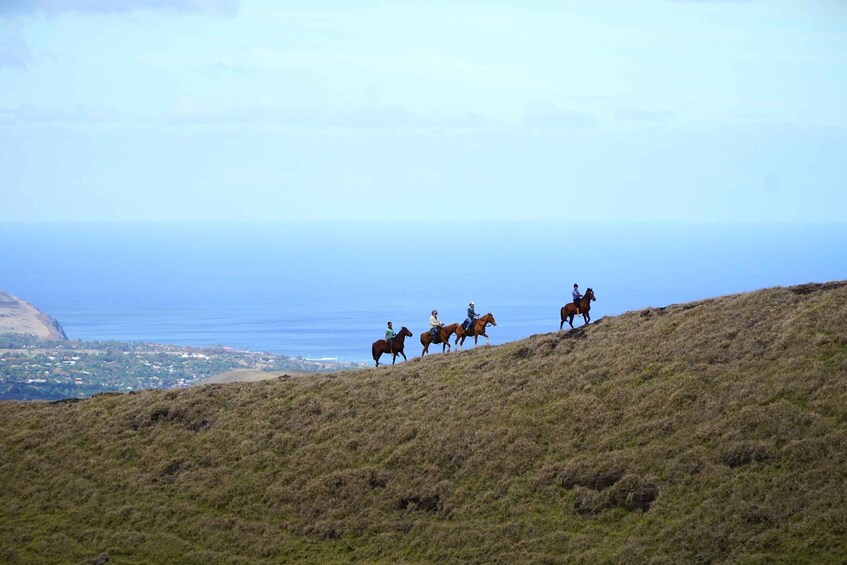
(373, 350)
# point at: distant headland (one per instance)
(20, 317)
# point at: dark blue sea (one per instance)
(322, 290)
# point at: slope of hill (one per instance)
(20, 317)
(700, 432)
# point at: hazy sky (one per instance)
(262, 109)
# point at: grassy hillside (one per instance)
(248, 376)
(709, 431)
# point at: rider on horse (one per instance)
(577, 296)
(434, 325)
(389, 337)
(472, 316)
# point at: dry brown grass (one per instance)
(250, 376)
(702, 432)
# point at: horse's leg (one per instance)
(393, 358)
(404, 355)
(570, 320)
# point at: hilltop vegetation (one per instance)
(701, 432)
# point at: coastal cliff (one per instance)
(20, 317)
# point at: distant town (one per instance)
(31, 369)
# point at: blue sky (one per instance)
(245, 110)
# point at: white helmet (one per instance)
(472, 303)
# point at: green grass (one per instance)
(703, 432)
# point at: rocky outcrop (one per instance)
(20, 317)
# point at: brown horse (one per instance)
(476, 330)
(380, 346)
(570, 310)
(444, 333)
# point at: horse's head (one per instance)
(590, 294)
(404, 331)
(489, 319)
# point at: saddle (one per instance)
(436, 335)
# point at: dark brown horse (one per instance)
(380, 346)
(444, 333)
(476, 330)
(570, 310)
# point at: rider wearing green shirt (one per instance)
(389, 338)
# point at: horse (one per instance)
(380, 346)
(476, 330)
(444, 333)
(570, 310)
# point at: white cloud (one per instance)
(29, 114)
(635, 114)
(117, 6)
(189, 111)
(551, 117)
(14, 52)
(363, 117)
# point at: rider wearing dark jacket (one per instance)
(472, 316)
(577, 296)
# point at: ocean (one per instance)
(326, 290)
